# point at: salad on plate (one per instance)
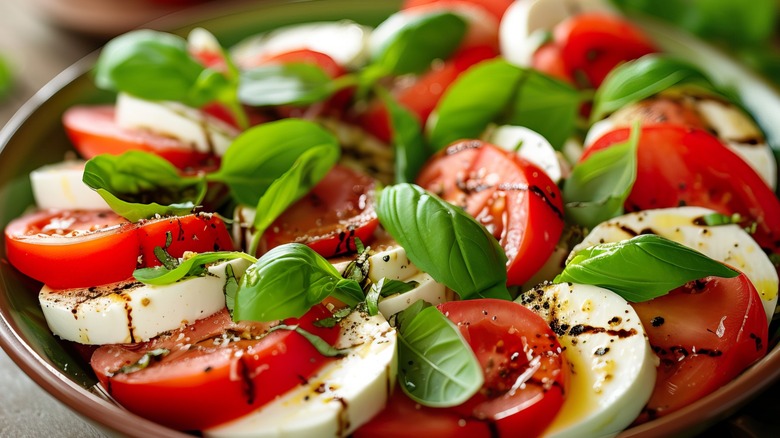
(478, 218)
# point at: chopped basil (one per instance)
(144, 361)
(140, 185)
(332, 321)
(392, 287)
(444, 241)
(230, 288)
(189, 267)
(317, 342)
(641, 268)
(436, 366)
(717, 219)
(372, 297)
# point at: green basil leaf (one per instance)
(193, 266)
(349, 292)
(444, 241)
(285, 282)
(144, 361)
(436, 366)
(418, 42)
(392, 287)
(317, 342)
(156, 66)
(372, 297)
(546, 105)
(599, 186)
(264, 153)
(409, 145)
(332, 321)
(717, 219)
(478, 97)
(230, 288)
(139, 185)
(285, 84)
(6, 78)
(641, 268)
(642, 78)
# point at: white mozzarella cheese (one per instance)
(60, 186)
(130, 311)
(344, 41)
(729, 244)
(530, 145)
(427, 290)
(606, 347)
(341, 397)
(526, 24)
(172, 119)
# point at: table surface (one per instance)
(37, 51)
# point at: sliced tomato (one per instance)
(548, 59)
(422, 94)
(705, 333)
(65, 249)
(216, 370)
(592, 44)
(329, 218)
(496, 8)
(679, 165)
(93, 131)
(515, 200)
(525, 379)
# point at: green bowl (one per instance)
(35, 137)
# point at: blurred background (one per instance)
(40, 38)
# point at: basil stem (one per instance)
(641, 268)
(444, 241)
(140, 185)
(436, 366)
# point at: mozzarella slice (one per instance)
(344, 41)
(341, 397)
(189, 125)
(530, 145)
(729, 244)
(130, 311)
(611, 361)
(526, 24)
(60, 186)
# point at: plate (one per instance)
(34, 137)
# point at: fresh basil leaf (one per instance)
(717, 219)
(478, 97)
(144, 361)
(599, 186)
(641, 268)
(286, 282)
(332, 321)
(418, 42)
(230, 288)
(348, 292)
(155, 65)
(392, 287)
(546, 105)
(192, 266)
(139, 185)
(7, 80)
(285, 84)
(372, 297)
(305, 173)
(444, 241)
(264, 153)
(409, 145)
(645, 77)
(436, 366)
(317, 342)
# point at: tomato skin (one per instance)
(591, 45)
(505, 337)
(327, 219)
(515, 200)
(421, 95)
(104, 256)
(110, 253)
(704, 349)
(679, 165)
(496, 8)
(93, 131)
(203, 383)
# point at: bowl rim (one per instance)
(97, 407)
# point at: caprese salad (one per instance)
(479, 218)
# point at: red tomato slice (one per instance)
(678, 165)
(216, 371)
(93, 131)
(496, 8)
(525, 378)
(66, 249)
(515, 200)
(592, 44)
(328, 219)
(705, 333)
(421, 95)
